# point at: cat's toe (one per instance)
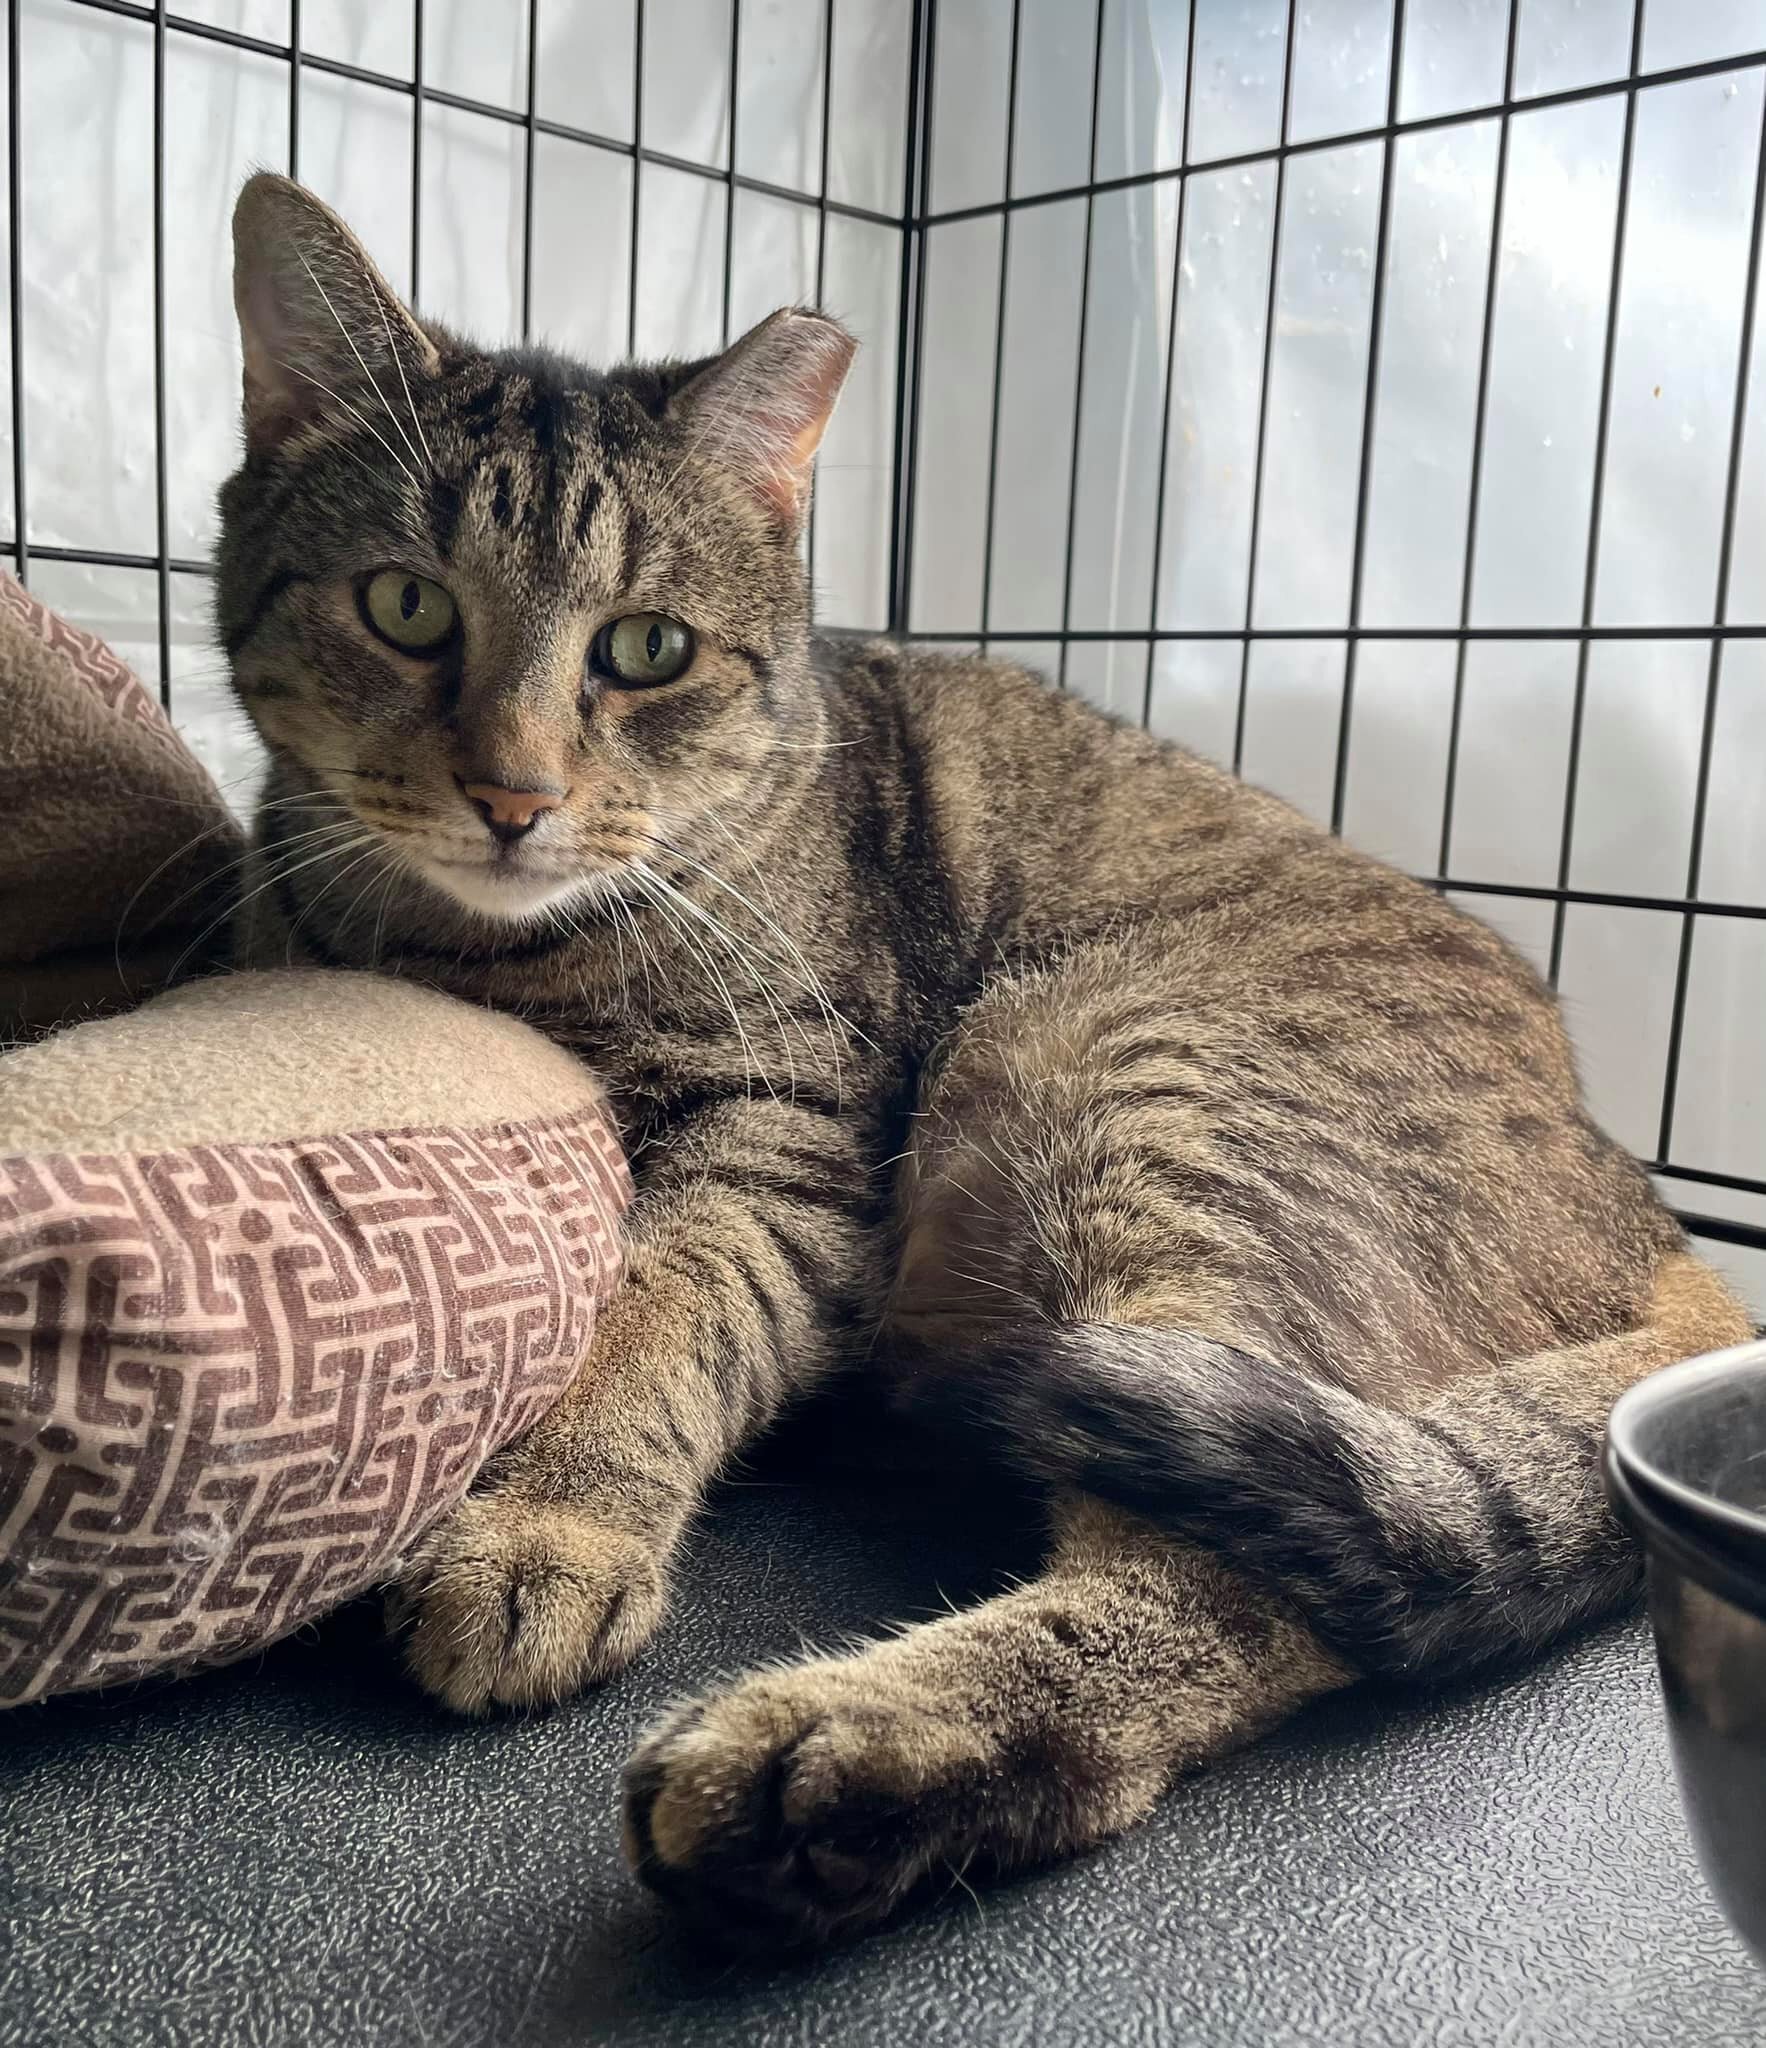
(792, 1808)
(508, 1604)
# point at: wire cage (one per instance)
(1366, 393)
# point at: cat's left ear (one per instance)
(322, 331)
(762, 407)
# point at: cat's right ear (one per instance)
(316, 319)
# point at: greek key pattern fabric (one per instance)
(238, 1381)
(95, 665)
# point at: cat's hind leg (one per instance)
(812, 1801)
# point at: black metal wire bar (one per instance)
(294, 64)
(1275, 273)
(1596, 498)
(1714, 672)
(841, 209)
(162, 529)
(1369, 420)
(744, 182)
(527, 168)
(715, 174)
(1091, 204)
(631, 283)
(911, 325)
(1736, 631)
(827, 135)
(107, 558)
(730, 193)
(1480, 421)
(1177, 234)
(999, 325)
(417, 97)
(822, 227)
(1723, 1231)
(15, 285)
(1612, 899)
(1737, 1183)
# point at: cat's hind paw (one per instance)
(793, 1809)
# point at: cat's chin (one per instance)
(500, 892)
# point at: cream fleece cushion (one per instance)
(283, 1259)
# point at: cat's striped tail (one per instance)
(1461, 1535)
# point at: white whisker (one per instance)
(661, 895)
(745, 957)
(189, 846)
(232, 867)
(361, 895)
(275, 876)
(307, 909)
(398, 425)
(399, 365)
(355, 412)
(797, 962)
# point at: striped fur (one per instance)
(1230, 1183)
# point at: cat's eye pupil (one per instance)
(653, 643)
(410, 600)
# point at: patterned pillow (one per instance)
(283, 1259)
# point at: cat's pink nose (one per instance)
(510, 812)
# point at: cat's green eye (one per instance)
(417, 616)
(642, 649)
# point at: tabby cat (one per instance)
(1229, 1185)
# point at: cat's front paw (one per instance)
(510, 1604)
(801, 1806)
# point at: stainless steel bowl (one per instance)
(1686, 1468)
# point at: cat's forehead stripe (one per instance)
(444, 513)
